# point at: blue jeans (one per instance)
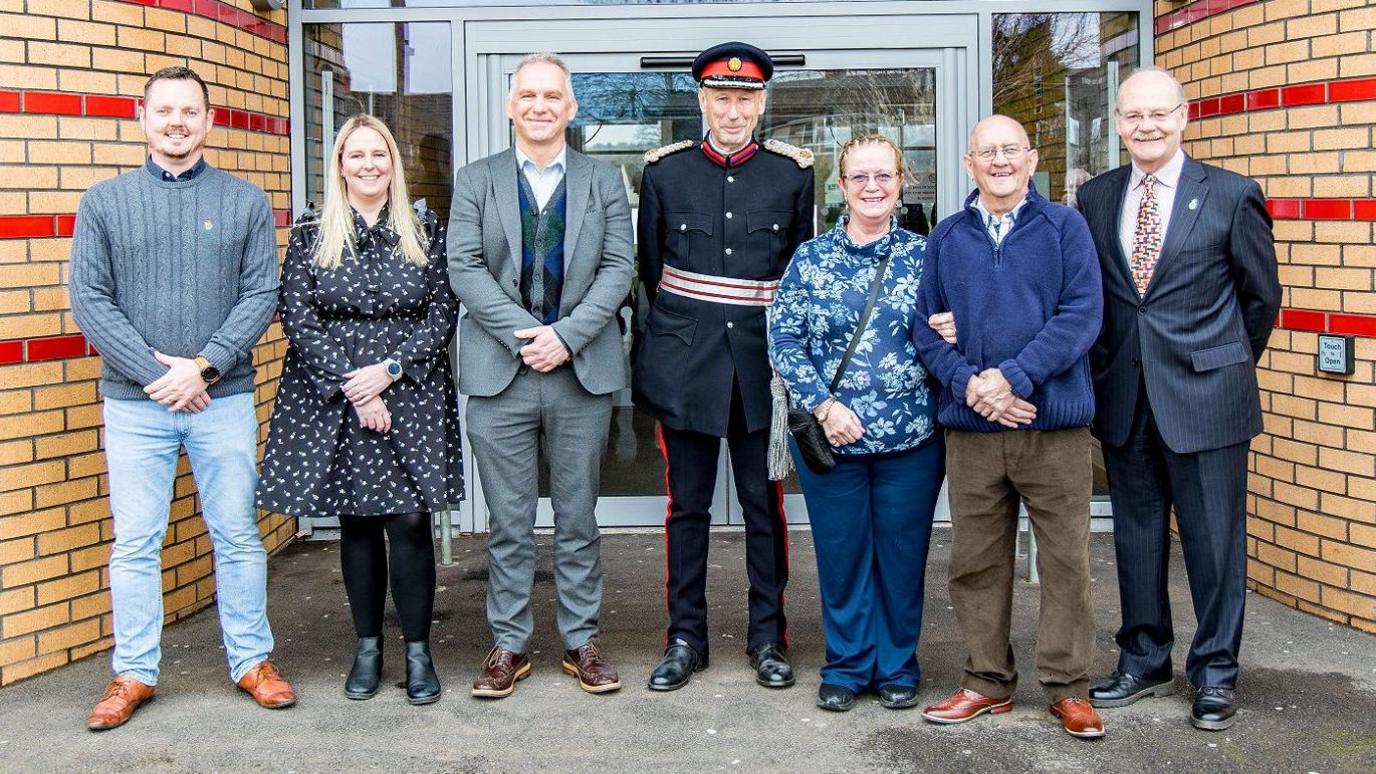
(871, 527)
(142, 441)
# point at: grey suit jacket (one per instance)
(1196, 334)
(485, 270)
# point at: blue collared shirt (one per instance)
(998, 228)
(168, 177)
(545, 181)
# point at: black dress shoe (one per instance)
(898, 696)
(422, 684)
(366, 674)
(1213, 709)
(771, 666)
(1121, 689)
(835, 698)
(674, 671)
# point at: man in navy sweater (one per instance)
(1021, 278)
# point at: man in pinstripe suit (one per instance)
(1190, 296)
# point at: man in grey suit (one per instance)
(1190, 296)
(540, 255)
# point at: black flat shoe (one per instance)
(422, 684)
(366, 675)
(674, 671)
(1121, 689)
(835, 698)
(771, 666)
(1213, 709)
(898, 696)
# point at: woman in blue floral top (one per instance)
(871, 515)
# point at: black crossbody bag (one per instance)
(802, 424)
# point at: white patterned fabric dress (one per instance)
(319, 460)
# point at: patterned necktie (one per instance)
(1146, 239)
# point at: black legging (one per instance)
(363, 558)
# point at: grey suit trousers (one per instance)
(552, 410)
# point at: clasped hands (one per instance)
(544, 350)
(988, 393)
(364, 390)
(181, 388)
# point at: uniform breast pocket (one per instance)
(688, 230)
(769, 229)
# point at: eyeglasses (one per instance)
(1010, 152)
(862, 179)
(1157, 116)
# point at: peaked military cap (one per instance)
(733, 65)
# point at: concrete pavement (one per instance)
(1308, 691)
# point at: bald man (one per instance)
(1020, 275)
(1190, 295)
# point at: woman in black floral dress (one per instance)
(366, 426)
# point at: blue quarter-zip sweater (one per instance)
(1030, 306)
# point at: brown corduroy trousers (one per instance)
(988, 474)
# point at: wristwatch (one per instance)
(393, 368)
(209, 373)
(824, 410)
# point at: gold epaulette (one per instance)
(803, 156)
(651, 156)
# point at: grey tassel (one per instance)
(780, 462)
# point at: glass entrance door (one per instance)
(634, 101)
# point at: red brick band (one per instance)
(62, 225)
(104, 106)
(224, 13)
(1298, 95)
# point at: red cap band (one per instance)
(743, 69)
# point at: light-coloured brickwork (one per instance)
(69, 70)
(1277, 93)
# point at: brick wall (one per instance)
(1285, 91)
(70, 72)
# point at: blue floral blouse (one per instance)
(812, 320)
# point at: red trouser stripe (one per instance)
(668, 512)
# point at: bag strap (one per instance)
(864, 320)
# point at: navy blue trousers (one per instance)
(1208, 490)
(871, 526)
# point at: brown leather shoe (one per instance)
(122, 696)
(965, 705)
(1078, 718)
(265, 684)
(499, 674)
(594, 674)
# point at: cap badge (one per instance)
(734, 64)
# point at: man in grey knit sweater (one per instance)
(174, 278)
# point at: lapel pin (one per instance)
(1194, 204)
(209, 225)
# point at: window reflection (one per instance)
(1058, 74)
(400, 73)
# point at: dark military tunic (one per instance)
(740, 217)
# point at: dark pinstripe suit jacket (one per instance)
(1195, 336)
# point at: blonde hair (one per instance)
(337, 233)
(873, 138)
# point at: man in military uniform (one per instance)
(719, 221)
